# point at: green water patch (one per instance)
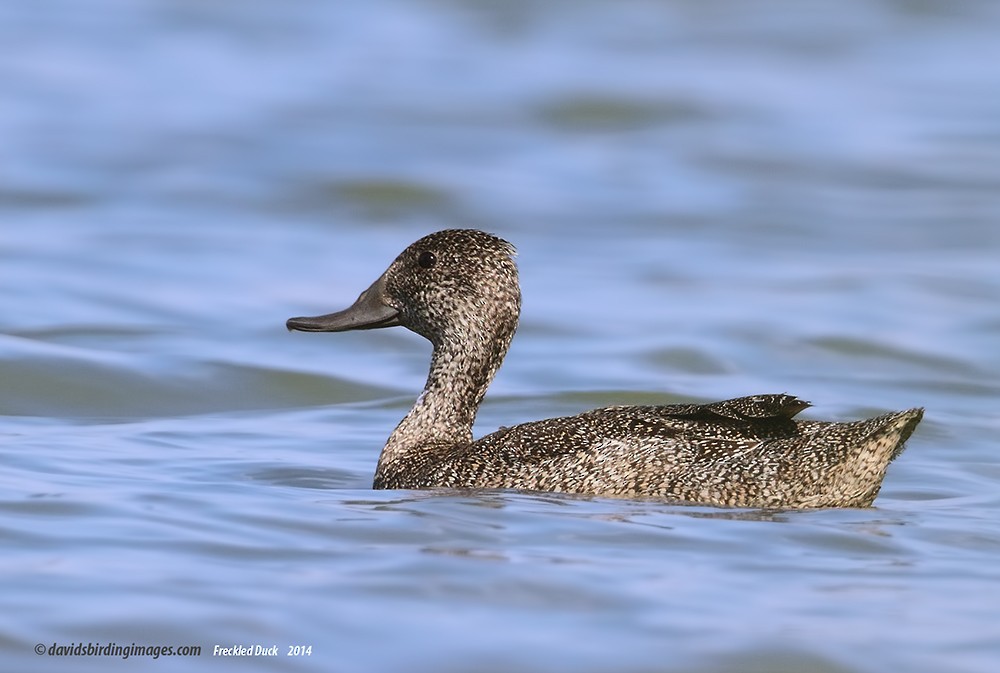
(600, 112)
(78, 387)
(375, 198)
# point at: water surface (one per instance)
(709, 201)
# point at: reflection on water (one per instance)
(709, 200)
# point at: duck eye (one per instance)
(426, 259)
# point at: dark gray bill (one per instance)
(370, 311)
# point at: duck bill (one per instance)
(370, 311)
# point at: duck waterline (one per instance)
(459, 289)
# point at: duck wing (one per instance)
(746, 452)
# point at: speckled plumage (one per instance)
(459, 289)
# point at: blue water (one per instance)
(709, 200)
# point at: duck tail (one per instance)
(898, 427)
(869, 446)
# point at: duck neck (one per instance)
(462, 368)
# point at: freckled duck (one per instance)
(459, 289)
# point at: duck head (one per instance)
(456, 284)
